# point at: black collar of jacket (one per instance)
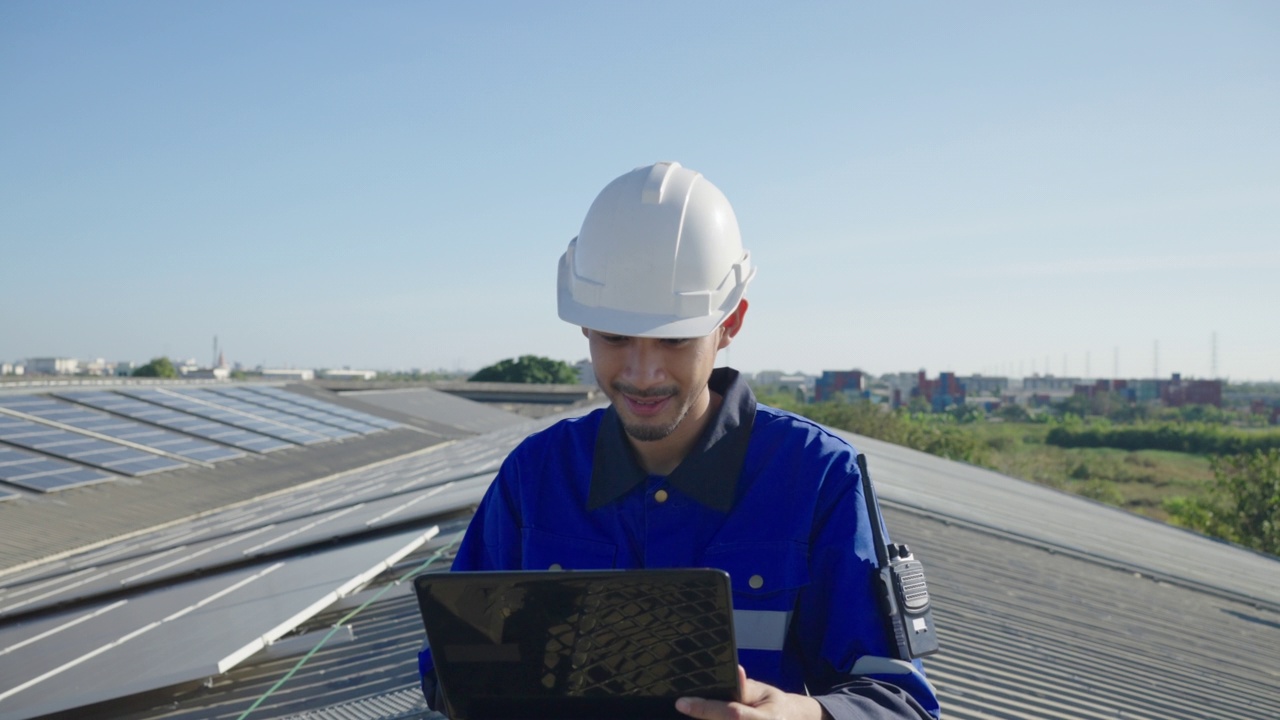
(709, 474)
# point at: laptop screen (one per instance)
(604, 643)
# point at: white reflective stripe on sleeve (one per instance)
(760, 629)
(872, 665)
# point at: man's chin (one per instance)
(642, 432)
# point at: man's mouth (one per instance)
(646, 406)
(647, 402)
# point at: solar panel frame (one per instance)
(33, 471)
(328, 407)
(177, 420)
(83, 448)
(287, 406)
(119, 428)
(227, 416)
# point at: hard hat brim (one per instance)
(611, 320)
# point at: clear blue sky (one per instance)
(966, 186)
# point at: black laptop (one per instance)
(579, 644)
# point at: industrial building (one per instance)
(848, 384)
(235, 550)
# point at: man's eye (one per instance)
(614, 339)
(675, 342)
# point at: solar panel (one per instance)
(82, 448)
(273, 414)
(327, 407)
(176, 420)
(180, 632)
(293, 408)
(119, 428)
(42, 474)
(214, 411)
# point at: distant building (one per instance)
(586, 374)
(12, 369)
(348, 374)
(983, 385)
(288, 374)
(1178, 392)
(53, 366)
(99, 366)
(899, 387)
(1050, 383)
(187, 367)
(850, 384)
(1103, 387)
(942, 393)
(785, 382)
(216, 373)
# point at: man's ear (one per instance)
(732, 324)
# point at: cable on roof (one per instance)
(303, 660)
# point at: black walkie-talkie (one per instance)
(904, 597)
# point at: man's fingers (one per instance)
(704, 709)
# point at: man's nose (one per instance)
(645, 367)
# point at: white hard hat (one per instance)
(659, 255)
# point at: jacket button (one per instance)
(756, 582)
(555, 566)
(660, 496)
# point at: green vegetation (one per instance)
(937, 434)
(1176, 466)
(1243, 505)
(420, 375)
(1192, 437)
(161, 367)
(528, 369)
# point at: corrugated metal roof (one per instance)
(399, 705)
(1048, 606)
(1070, 523)
(439, 407)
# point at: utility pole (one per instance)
(1155, 360)
(1115, 368)
(1086, 364)
(1214, 358)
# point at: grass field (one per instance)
(1137, 481)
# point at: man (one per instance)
(684, 469)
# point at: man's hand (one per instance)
(759, 702)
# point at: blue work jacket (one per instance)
(770, 497)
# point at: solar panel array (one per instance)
(119, 428)
(327, 417)
(43, 474)
(140, 431)
(82, 448)
(328, 407)
(212, 411)
(322, 430)
(177, 420)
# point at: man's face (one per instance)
(652, 382)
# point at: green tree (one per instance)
(1244, 505)
(528, 369)
(160, 367)
(1013, 412)
(1077, 405)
